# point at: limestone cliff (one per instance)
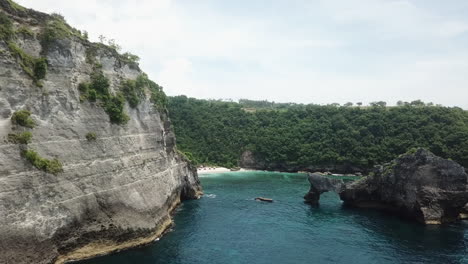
(85, 183)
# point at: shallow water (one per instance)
(228, 226)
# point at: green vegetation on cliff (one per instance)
(99, 88)
(20, 138)
(51, 166)
(290, 136)
(36, 68)
(16, 6)
(132, 91)
(56, 28)
(91, 136)
(6, 27)
(23, 118)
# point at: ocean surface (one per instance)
(227, 226)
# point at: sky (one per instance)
(303, 51)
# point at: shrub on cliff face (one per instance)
(54, 30)
(6, 27)
(16, 6)
(23, 118)
(114, 107)
(129, 91)
(51, 166)
(92, 95)
(40, 68)
(158, 97)
(188, 157)
(36, 68)
(100, 84)
(99, 88)
(84, 91)
(130, 59)
(91, 53)
(57, 28)
(25, 60)
(134, 91)
(91, 136)
(25, 31)
(21, 138)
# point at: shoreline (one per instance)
(214, 170)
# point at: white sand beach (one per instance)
(208, 170)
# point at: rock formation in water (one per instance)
(419, 185)
(88, 157)
(320, 184)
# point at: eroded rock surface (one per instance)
(114, 192)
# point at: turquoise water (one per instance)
(228, 226)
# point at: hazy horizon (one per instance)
(322, 52)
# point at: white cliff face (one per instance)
(114, 192)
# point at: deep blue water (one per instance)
(228, 226)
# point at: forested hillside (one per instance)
(295, 137)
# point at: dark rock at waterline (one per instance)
(419, 185)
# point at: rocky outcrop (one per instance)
(320, 184)
(248, 161)
(418, 185)
(116, 189)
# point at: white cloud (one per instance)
(176, 73)
(394, 18)
(323, 51)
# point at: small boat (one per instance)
(264, 199)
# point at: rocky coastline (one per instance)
(419, 186)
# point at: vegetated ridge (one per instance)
(293, 137)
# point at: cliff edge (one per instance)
(87, 152)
